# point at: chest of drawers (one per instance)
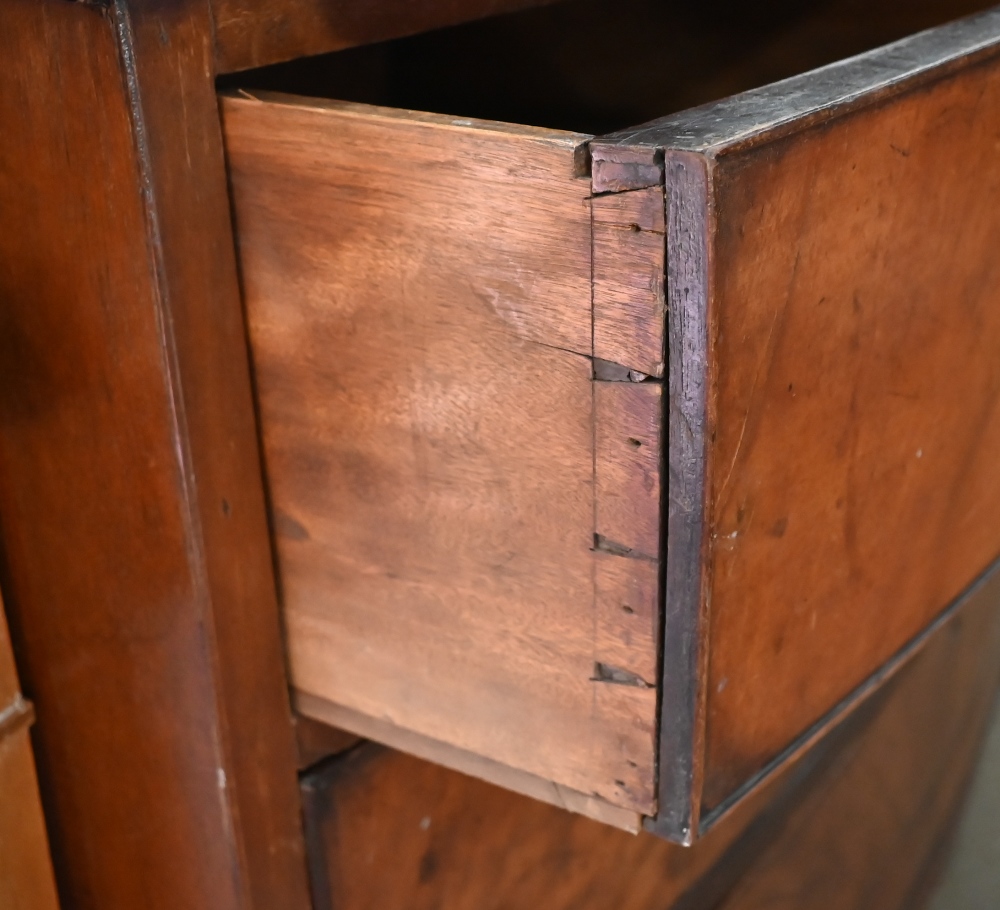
(557, 421)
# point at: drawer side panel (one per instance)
(418, 294)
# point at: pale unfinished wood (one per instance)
(629, 288)
(418, 294)
(467, 762)
(26, 878)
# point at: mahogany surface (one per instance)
(136, 561)
(134, 539)
(833, 304)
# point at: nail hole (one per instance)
(627, 609)
(632, 441)
(225, 507)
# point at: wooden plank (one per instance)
(137, 567)
(26, 879)
(832, 423)
(250, 33)
(468, 763)
(854, 825)
(418, 292)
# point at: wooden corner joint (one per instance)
(629, 314)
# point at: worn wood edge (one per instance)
(374, 113)
(18, 714)
(986, 585)
(464, 762)
(801, 101)
(684, 605)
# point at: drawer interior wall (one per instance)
(461, 342)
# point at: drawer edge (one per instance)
(465, 762)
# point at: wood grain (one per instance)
(854, 827)
(26, 879)
(136, 564)
(418, 292)
(629, 291)
(832, 295)
(250, 33)
(320, 712)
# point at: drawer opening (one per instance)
(596, 66)
(464, 314)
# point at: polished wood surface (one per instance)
(136, 564)
(252, 33)
(832, 298)
(418, 294)
(859, 825)
(133, 536)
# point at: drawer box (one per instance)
(614, 469)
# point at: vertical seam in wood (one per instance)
(595, 600)
(194, 543)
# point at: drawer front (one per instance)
(834, 299)
(478, 347)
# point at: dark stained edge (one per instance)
(987, 585)
(801, 101)
(688, 220)
(318, 789)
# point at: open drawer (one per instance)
(614, 470)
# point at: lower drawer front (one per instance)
(617, 469)
(392, 832)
